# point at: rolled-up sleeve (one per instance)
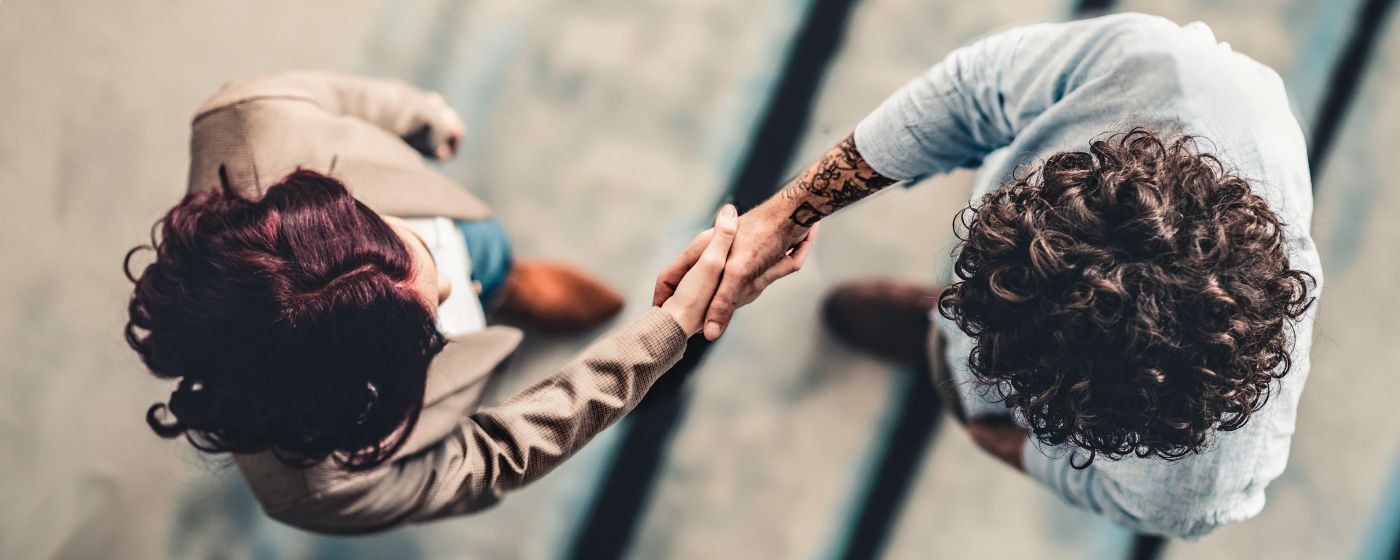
(947, 118)
(982, 95)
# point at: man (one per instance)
(1131, 319)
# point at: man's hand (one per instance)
(768, 247)
(1001, 437)
(775, 237)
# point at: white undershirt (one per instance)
(462, 312)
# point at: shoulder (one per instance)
(291, 85)
(1134, 28)
(1128, 52)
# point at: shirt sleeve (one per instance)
(982, 95)
(1184, 499)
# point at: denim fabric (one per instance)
(1016, 97)
(488, 248)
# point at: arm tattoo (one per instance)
(838, 179)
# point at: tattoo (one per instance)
(837, 180)
(806, 215)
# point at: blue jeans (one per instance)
(488, 248)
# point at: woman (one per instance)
(302, 321)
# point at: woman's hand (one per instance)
(449, 138)
(692, 294)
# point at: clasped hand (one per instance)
(728, 266)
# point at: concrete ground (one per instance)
(604, 132)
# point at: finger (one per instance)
(722, 307)
(452, 143)
(672, 274)
(726, 226)
(799, 252)
(448, 148)
(794, 260)
(448, 128)
(699, 284)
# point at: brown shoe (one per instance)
(883, 317)
(555, 297)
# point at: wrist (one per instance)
(679, 314)
(785, 216)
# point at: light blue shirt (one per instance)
(1019, 96)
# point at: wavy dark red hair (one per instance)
(1128, 300)
(291, 323)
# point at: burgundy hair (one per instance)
(291, 323)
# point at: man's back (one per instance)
(1016, 98)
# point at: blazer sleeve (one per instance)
(504, 447)
(421, 118)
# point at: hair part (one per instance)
(1128, 300)
(290, 322)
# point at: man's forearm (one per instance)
(774, 238)
(840, 178)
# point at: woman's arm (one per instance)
(500, 448)
(422, 118)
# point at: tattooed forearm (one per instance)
(838, 179)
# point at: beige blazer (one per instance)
(459, 458)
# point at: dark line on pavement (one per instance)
(918, 416)
(780, 132)
(1346, 79)
(914, 430)
(1147, 547)
(620, 502)
(1091, 8)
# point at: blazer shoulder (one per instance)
(289, 85)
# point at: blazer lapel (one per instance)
(456, 379)
(408, 190)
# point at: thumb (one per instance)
(700, 282)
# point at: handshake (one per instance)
(728, 266)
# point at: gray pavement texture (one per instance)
(604, 132)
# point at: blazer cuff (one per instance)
(659, 335)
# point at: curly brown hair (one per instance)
(1130, 299)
